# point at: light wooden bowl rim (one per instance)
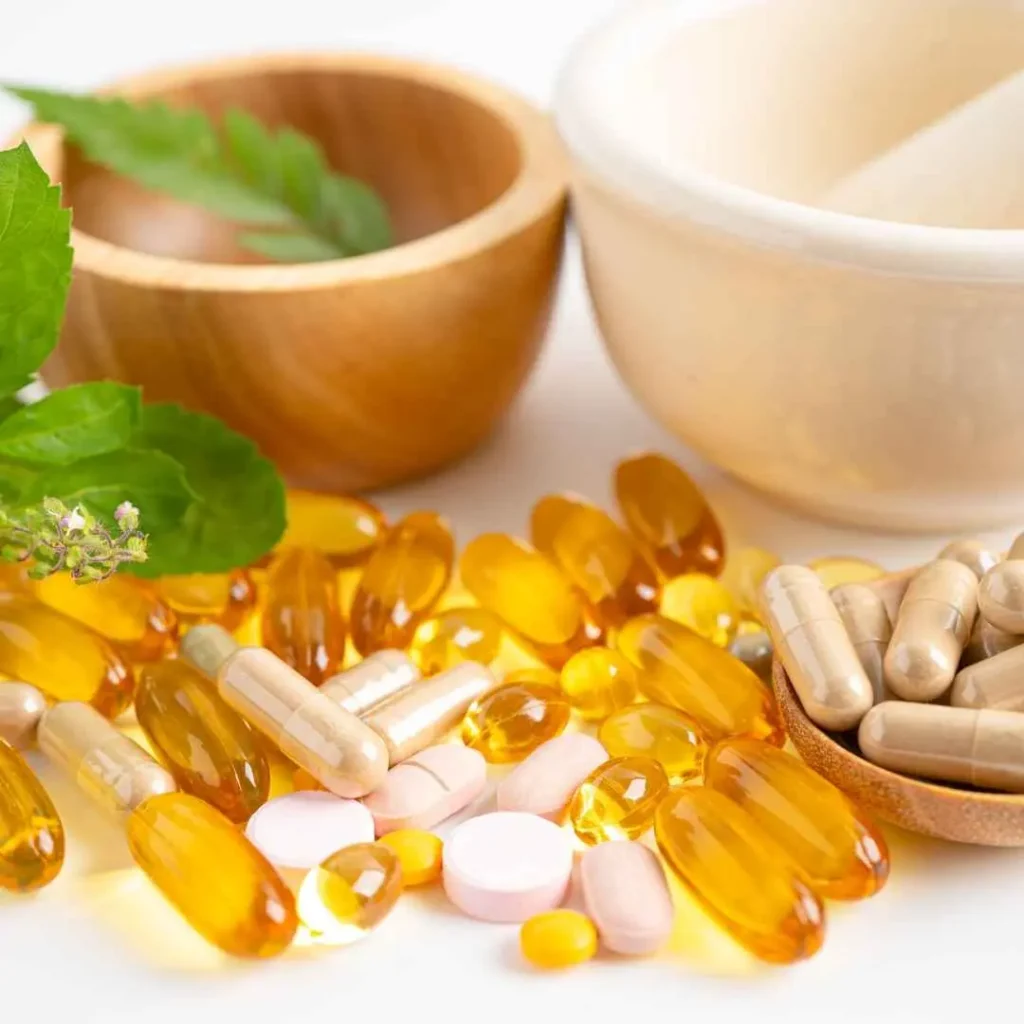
(541, 183)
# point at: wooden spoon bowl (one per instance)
(350, 373)
(961, 814)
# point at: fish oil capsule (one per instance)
(978, 746)
(703, 604)
(213, 876)
(456, 635)
(996, 683)
(220, 598)
(418, 853)
(660, 733)
(935, 622)
(211, 751)
(1001, 591)
(372, 681)
(972, 553)
(31, 833)
(597, 682)
(743, 575)
(834, 571)
(815, 649)
(596, 555)
(558, 938)
(617, 800)
(738, 873)
(666, 512)
(755, 650)
(514, 719)
(63, 658)
(345, 529)
(403, 580)
(106, 765)
(842, 853)
(302, 621)
(21, 707)
(529, 594)
(350, 893)
(867, 624)
(677, 667)
(423, 714)
(334, 746)
(125, 610)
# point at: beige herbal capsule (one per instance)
(976, 746)
(420, 716)
(109, 767)
(987, 641)
(319, 735)
(867, 623)
(935, 622)
(996, 683)
(21, 707)
(972, 553)
(813, 645)
(892, 589)
(1001, 591)
(372, 681)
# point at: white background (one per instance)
(99, 945)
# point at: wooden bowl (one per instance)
(351, 373)
(961, 814)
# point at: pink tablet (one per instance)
(507, 866)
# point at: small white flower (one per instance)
(126, 508)
(73, 521)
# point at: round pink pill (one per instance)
(506, 866)
(299, 830)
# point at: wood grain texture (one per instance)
(354, 373)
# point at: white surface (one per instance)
(99, 945)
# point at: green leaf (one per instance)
(13, 480)
(72, 424)
(244, 173)
(287, 248)
(35, 267)
(9, 405)
(240, 512)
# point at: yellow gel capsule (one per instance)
(456, 635)
(617, 800)
(530, 595)
(418, 853)
(596, 555)
(597, 682)
(302, 621)
(215, 878)
(14, 578)
(211, 751)
(667, 513)
(703, 604)
(740, 876)
(659, 733)
(743, 575)
(837, 570)
(345, 529)
(350, 893)
(125, 610)
(220, 598)
(677, 667)
(514, 719)
(840, 850)
(539, 674)
(31, 833)
(403, 580)
(61, 657)
(558, 938)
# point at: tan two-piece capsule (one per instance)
(21, 707)
(867, 624)
(1001, 591)
(109, 767)
(935, 622)
(972, 553)
(981, 747)
(987, 641)
(996, 683)
(421, 715)
(814, 647)
(370, 683)
(334, 746)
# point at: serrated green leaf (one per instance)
(239, 514)
(244, 173)
(35, 267)
(71, 424)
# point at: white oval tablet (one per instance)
(299, 830)
(507, 866)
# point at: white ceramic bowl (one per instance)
(861, 369)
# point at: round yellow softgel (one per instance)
(418, 852)
(558, 938)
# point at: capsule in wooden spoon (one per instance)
(867, 623)
(1001, 591)
(996, 683)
